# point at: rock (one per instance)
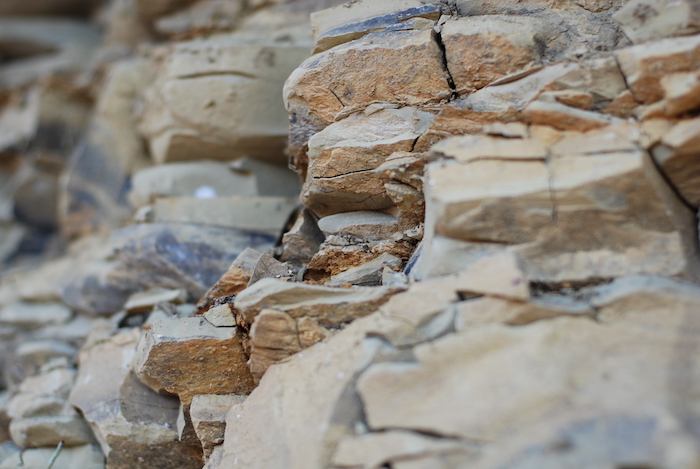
(69, 458)
(498, 275)
(681, 95)
(343, 155)
(152, 9)
(481, 49)
(330, 306)
(234, 280)
(345, 23)
(135, 426)
(220, 108)
(644, 20)
(564, 117)
(34, 315)
(258, 214)
(190, 179)
(273, 337)
(46, 7)
(303, 239)
(19, 122)
(31, 355)
(269, 267)
(644, 65)
(208, 413)
(143, 302)
(28, 404)
(55, 383)
(220, 316)
(204, 16)
(189, 356)
(35, 201)
(676, 156)
(7, 449)
(263, 419)
(368, 274)
(377, 449)
(35, 432)
(417, 78)
(270, 179)
(363, 224)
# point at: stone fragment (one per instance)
(273, 337)
(377, 449)
(189, 356)
(497, 275)
(479, 147)
(335, 26)
(343, 155)
(220, 316)
(269, 267)
(644, 65)
(189, 179)
(363, 224)
(56, 383)
(677, 157)
(204, 16)
(303, 239)
(311, 332)
(479, 50)
(38, 431)
(416, 77)
(213, 99)
(271, 179)
(564, 117)
(368, 274)
(330, 306)
(34, 315)
(31, 355)
(645, 20)
(208, 413)
(143, 302)
(257, 214)
(85, 456)
(28, 404)
(135, 426)
(152, 9)
(681, 95)
(234, 280)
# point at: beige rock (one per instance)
(129, 420)
(212, 100)
(343, 155)
(258, 214)
(145, 301)
(31, 355)
(345, 23)
(497, 275)
(677, 157)
(87, 456)
(311, 332)
(273, 337)
(56, 383)
(204, 16)
(269, 267)
(362, 224)
(189, 356)
(38, 431)
(406, 67)
(189, 179)
(644, 65)
(151, 9)
(377, 449)
(34, 315)
(681, 95)
(303, 239)
(644, 20)
(220, 316)
(27, 404)
(330, 306)
(479, 147)
(481, 49)
(232, 281)
(208, 413)
(368, 274)
(564, 117)
(271, 179)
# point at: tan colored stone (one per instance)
(189, 356)
(311, 332)
(220, 316)
(208, 413)
(145, 301)
(681, 95)
(345, 23)
(330, 306)
(50, 430)
(269, 267)
(206, 16)
(368, 274)
(644, 20)
(273, 337)
(644, 65)
(481, 49)
(406, 67)
(564, 117)
(677, 157)
(497, 275)
(87, 456)
(303, 239)
(34, 315)
(478, 147)
(234, 280)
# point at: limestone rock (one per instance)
(303, 239)
(189, 356)
(34, 315)
(273, 337)
(343, 155)
(564, 117)
(363, 224)
(644, 65)
(145, 301)
(412, 60)
(87, 456)
(135, 426)
(151, 9)
(38, 431)
(368, 274)
(204, 16)
(208, 413)
(345, 23)
(269, 267)
(644, 20)
(220, 316)
(481, 49)
(31, 355)
(330, 306)
(216, 99)
(677, 155)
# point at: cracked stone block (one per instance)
(220, 99)
(677, 157)
(405, 66)
(343, 158)
(189, 356)
(329, 306)
(481, 49)
(645, 20)
(208, 414)
(563, 117)
(521, 399)
(135, 426)
(85, 456)
(644, 65)
(345, 23)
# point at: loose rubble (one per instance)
(296, 234)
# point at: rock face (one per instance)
(306, 234)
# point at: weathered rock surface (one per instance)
(208, 413)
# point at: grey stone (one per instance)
(367, 274)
